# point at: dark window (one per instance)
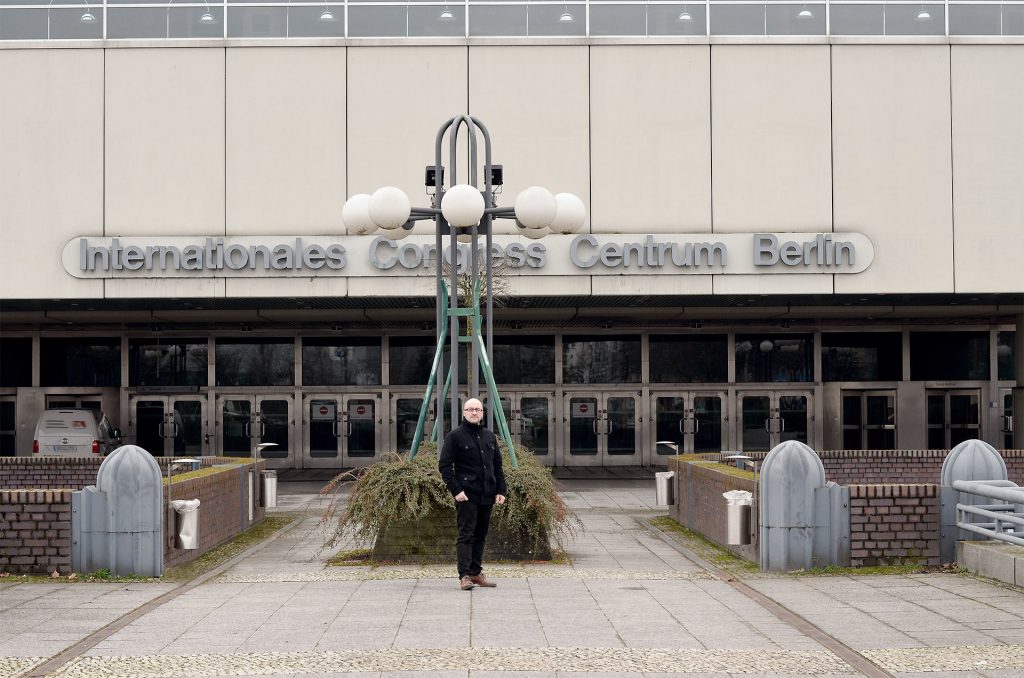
(80, 361)
(15, 362)
(861, 356)
(412, 357)
(948, 355)
(698, 359)
(524, 360)
(175, 362)
(608, 360)
(1005, 355)
(348, 361)
(255, 362)
(774, 357)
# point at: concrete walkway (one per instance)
(631, 604)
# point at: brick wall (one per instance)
(35, 524)
(223, 510)
(35, 531)
(48, 472)
(700, 505)
(894, 524)
(848, 467)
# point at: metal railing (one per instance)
(1002, 521)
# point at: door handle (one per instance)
(682, 428)
(248, 429)
(593, 425)
(334, 428)
(768, 425)
(263, 429)
(696, 425)
(611, 427)
(782, 424)
(160, 429)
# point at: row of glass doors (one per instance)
(351, 430)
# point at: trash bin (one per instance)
(664, 488)
(737, 517)
(268, 489)
(186, 523)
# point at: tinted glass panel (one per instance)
(689, 359)
(524, 360)
(798, 19)
(557, 19)
(609, 360)
(318, 21)
(618, 20)
(948, 355)
(497, 20)
(1004, 354)
(370, 22)
(258, 22)
(175, 362)
(255, 362)
(737, 19)
(857, 20)
(437, 21)
(412, 357)
(351, 361)
(16, 362)
(80, 362)
(676, 20)
(867, 356)
(975, 20)
(914, 20)
(774, 357)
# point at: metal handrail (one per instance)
(1006, 521)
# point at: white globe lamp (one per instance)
(462, 206)
(535, 207)
(397, 233)
(570, 214)
(356, 215)
(535, 233)
(389, 207)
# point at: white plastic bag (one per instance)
(738, 497)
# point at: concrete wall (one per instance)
(917, 146)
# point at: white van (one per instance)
(75, 433)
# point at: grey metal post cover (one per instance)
(970, 460)
(118, 523)
(790, 474)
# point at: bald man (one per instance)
(470, 465)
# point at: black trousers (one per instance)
(473, 520)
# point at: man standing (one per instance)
(470, 464)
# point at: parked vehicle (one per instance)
(75, 433)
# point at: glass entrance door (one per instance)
(246, 422)
(768, 418)
(869, 420)
(8, 423)
(953, 417)
(168, 426)
(341, 431)
(530, 417)
(602, 430)
(405, 413)
(691, 422)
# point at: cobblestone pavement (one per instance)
(631, 604)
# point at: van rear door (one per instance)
(66, 434)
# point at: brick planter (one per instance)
(35, 531)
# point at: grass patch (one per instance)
(708, 550)
(364, 558)
(101, 576)
(207, 471)
(350, 558)
(228, 550)
(835, 570)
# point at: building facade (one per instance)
(815, 237)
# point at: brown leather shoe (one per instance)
(481, 580)
(467, 583)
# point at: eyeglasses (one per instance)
(473, 409)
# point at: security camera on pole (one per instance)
(463, 212)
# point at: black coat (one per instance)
(470, 462)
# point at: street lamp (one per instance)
(464, 212)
